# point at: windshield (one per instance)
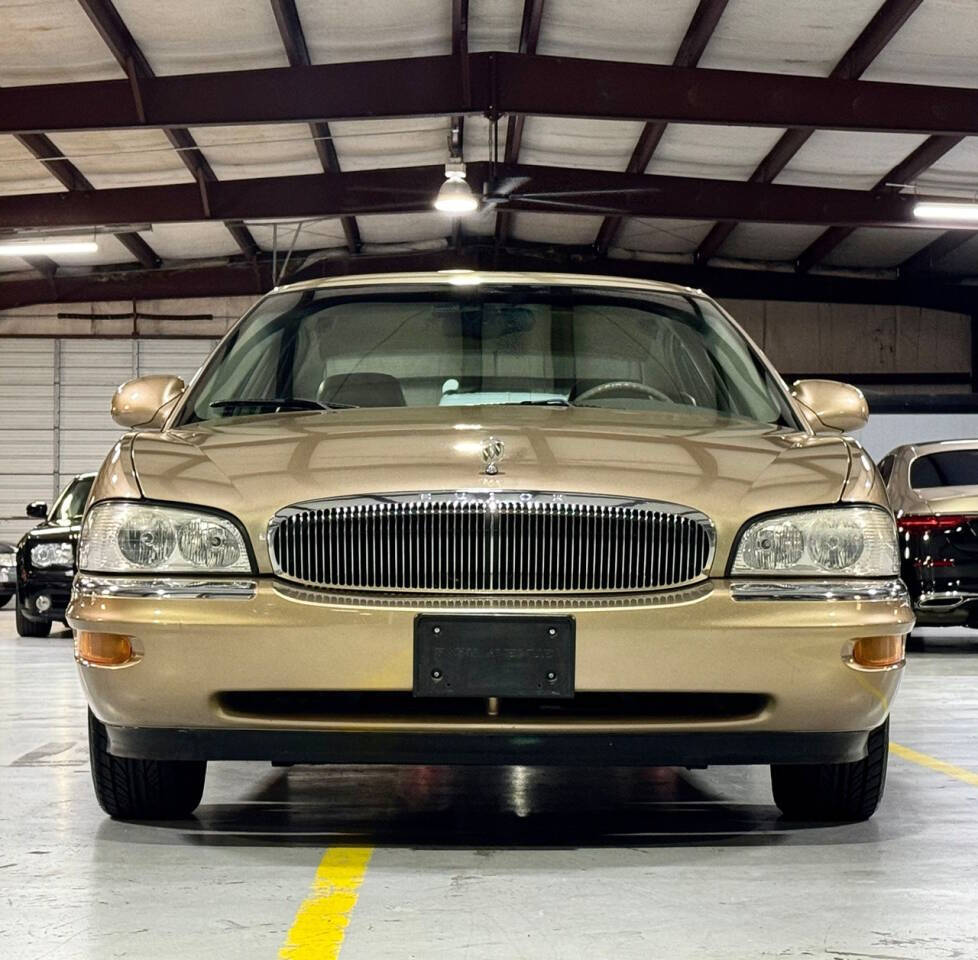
(71, 503)
(411, 346)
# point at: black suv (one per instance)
(46, 559)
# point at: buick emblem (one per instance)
(492, 453)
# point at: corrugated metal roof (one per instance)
(53, 40)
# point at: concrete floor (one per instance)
(487, 863)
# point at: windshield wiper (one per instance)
(281, 403)
(549, 402)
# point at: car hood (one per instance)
(728, 469)
(48, 532)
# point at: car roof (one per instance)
(475, 277)
(934, 446)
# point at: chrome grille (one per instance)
(482, 542)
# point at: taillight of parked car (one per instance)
(917, 523)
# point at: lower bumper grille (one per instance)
(491, 542)
(296, 705)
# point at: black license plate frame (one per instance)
(494, 656)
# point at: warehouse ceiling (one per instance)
(765, 148)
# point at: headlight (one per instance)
(128, 537)
(848, 541)
(52, 555)
(8, 559)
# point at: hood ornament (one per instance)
(492, 453)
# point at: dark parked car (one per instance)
(46, 559)
(8, 572)
(933, 489)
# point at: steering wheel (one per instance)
(619, 386)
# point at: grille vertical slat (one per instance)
(472, 544)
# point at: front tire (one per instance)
(31, 628)
(5, 599)
(131, 789)
(834, 791)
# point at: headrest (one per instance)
(363, 390)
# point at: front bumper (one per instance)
(251, 677)
(54, 584)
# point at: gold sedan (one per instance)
(486, 518)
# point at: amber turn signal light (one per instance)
(102, 649)
(885, 651)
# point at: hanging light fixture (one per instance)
(455, 196)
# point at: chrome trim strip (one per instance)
(159, 588)
(528, 602)
(943, 600)
(819, 590)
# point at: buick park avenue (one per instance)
(458, 518)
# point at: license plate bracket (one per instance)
(494, 656)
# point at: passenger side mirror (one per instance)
(146, 401)
(830, 406)
(38, 509)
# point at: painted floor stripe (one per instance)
(320, 924)
(932, 763)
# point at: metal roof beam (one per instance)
(524, 84)
(297, 52)
(411, 189)
(70, 177)
(906, 171)
(887, 20)
(701, 27)
(121, 43)
(529, 38)
(243, 279)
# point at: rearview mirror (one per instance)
(38, 509)
(146, 401)
(830, 406)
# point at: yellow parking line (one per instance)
(932, 763)
(320, 923)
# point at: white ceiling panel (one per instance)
(14, 265)
(879, 247)
(495, 25)
(773, 36)
(662, 236)
(554, 228)
(267, 150)
(955, 173)
(769, 241)
(110, 250)
(51, 41)
(852, 161)
(594, 144)
(936, 45)
(187, 36)
(317, 235)
(404, 227)
(21, 173)
(186, 241)
(346, 30)
(478, 137)
(398, 142)
(632, 30)
(123, 158)
(721, 153)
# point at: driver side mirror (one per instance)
(830, 406)
(146, 401)
(37, 509)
